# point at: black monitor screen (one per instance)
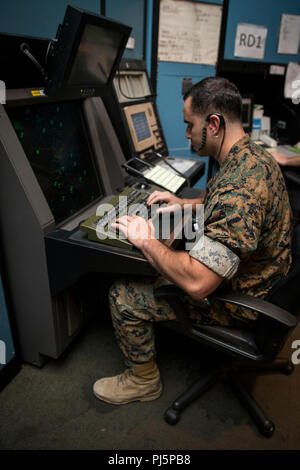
(245, 114)
(96, 56)
(247, 105)
(54, 141)
(84, 59)
(141, 126)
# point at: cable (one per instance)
(173, 168)
(217, 158)
(204, 132)
(48, 50)
(25, 49)
(131, 97)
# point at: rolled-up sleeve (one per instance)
(215, 256)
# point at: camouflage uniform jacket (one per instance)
(247, 224)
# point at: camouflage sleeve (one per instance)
(234, 217)
(215, 256)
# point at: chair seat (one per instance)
(237, 342)
(233, 342)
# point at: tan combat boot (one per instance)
(141, 382)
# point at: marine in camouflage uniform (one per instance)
(247, 241)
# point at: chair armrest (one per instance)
(242, 300)
(259, 305)
(292, 176)
(169, 290)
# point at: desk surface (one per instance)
(285, 150)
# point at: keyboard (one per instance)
(131, 201)
(164, 177)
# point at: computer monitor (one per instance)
(53, 137)
(143, 126)
(84, 58)
(247, 113)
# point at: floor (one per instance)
(53, 407)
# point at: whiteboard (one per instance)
(189, 32)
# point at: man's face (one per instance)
(195, 125)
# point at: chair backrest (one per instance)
(296, 244)
(270, 335)
(286, 292)
(292, 179)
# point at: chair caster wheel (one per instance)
(267, 429)
(289, 369)
(172, 416)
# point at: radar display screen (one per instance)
(54, 141)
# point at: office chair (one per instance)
(292, 180)
(249, 349)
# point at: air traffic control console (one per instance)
(59, 158)
(54, 174)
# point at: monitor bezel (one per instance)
(249, 100)
(65, 49)
(131, 109)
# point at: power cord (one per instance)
(173, 168)
(131, 97)
(25, 49)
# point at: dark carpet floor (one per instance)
(53, 407)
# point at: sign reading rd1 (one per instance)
(250, 41)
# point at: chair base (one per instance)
(263, 423)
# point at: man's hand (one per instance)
(283, 160)
(280, 158)
(136, 229)
(174, 202)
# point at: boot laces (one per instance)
(122, 378)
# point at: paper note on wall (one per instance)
(292, 82)
(189, 32)
(250, 41)
(289, 34)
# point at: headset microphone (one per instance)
(204, 130)
(203, 142)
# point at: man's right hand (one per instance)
(174, 202)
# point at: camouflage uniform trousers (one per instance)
(134, 310)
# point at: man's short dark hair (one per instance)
(216, 95)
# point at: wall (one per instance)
(170, 75)
(131, 13)
(252, 75)
(42, 18)
(36, 18)
(170, 103)
(264, 13)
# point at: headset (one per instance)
(204, 130)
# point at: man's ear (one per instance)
(216, 120)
